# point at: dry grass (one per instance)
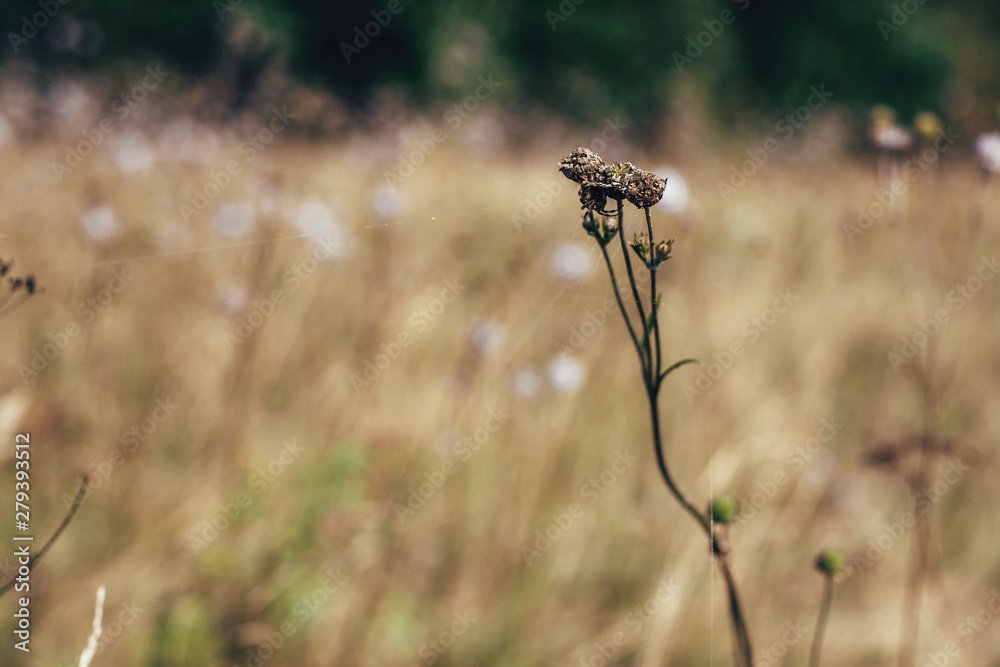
(331, 508)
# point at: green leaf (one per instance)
(676, 366)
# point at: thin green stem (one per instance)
(652, 301)
(621, 307)
(742, 649)
(652, 379)
(824, 613)
(647, 364)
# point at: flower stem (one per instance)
(647, 364)
(824, 613)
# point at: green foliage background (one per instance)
(585, 60)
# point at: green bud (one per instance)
(723, 509)
(830, 562)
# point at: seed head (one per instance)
(644, 189)
(582, 166)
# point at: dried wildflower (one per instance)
(644, 189)
(830, 562)
(583, 166)
(615, 179)
(593, 198)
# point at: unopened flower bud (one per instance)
(723, 509)
(830, 562)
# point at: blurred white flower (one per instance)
(487, 335)
(988, 151)
(231, 298)
(315, 218)
(527, 381)
(675, 195)
(100, 223)
(70, 101)
(387, 201)
(891, 137)
(565, 374)
(133, 152)
(571, 262)
(235, 219)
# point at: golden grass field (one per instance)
(316, 561)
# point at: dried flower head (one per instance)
(593, 198)
(583, 166)
(644, 189)
(615, 179)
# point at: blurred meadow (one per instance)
(351, 393)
